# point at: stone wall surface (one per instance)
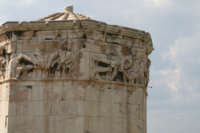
(80, 76)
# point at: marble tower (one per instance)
(68, 73)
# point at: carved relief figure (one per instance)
(3, 62)
(62, 60)
(128, 67)
(2, 67)
(20, 65)
(102, 68)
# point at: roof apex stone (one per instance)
(69, 8)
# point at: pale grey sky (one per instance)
(173, 102)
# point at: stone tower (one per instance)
(67, 73)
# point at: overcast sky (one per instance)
(174, 99)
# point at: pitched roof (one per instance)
(68, 14)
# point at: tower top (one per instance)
(69, 9)
(68, 14)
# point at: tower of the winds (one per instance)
(68, 73)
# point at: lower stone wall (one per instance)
(74, 107)
(4, 103)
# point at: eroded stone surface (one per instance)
(75, 75)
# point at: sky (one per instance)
(174, 99)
